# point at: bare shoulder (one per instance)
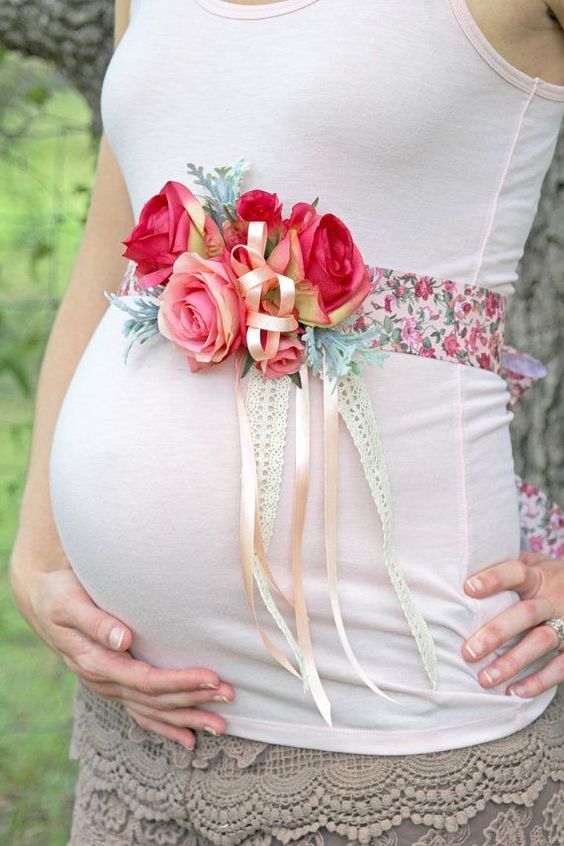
(528, 33)
(121, 19)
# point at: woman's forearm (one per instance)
(99, 266)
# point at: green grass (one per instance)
(45, 179)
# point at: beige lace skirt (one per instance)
(136, 788)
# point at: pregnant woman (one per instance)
(427, 128)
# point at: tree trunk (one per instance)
(536, 325)
(77, 35)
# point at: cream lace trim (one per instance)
(355, 406)
(230, 788)
(266, 404)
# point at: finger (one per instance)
(99, 664)
(181, 717)
(75, 609)
(550, 675)
(519, 617)
(183, 736)
(538, 642)
(512, 574)
(164, 701)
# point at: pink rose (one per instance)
(427, 352)
(528, 489)
(461, 306)
(536, 543)
(288, 359)
(389, 303)
(201, 310)
(423, 287)
(484, 361)
(235, 232)
(334, 265)
(303, 217)
(261, 206)
(491, 304)
(409, 332)
(170, 223)
(450, 344)
(213, 240)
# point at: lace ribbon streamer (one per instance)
(349, 397)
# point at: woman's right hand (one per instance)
(61, 612)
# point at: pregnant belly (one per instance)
(145, 475)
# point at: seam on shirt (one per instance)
(464, 493)
(501, 186)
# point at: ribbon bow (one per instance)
(254, 285)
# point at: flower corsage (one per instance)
(225, 273)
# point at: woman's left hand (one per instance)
(539, 581)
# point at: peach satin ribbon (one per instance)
(253, 285)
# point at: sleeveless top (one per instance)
(411, 128)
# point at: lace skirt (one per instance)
(136, 788)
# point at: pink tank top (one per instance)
(409, 126)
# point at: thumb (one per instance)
(97, 624)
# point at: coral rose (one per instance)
(201, 310)
(288, 359)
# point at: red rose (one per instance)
(333, 263)
(262, 206)
(170, 223)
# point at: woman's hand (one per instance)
(539, 581)
(92, 645)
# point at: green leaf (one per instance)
(296, 378)
(388, 325)
(248, 362)
(396, 336)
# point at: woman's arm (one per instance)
(98, 266)
(45, 589)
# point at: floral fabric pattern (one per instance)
(435, 318)
(541, 519)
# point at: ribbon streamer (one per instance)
(356, 409)
(347, 396)
(330, 446)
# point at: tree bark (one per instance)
(77, 35)
(535, 324)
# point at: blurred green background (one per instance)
(47, 167)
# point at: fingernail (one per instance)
(221, 699)
(211, 730)
(474, 584)
(492, 675)
(208, 685)
(475, 649)
(116, 637)
(519, 689)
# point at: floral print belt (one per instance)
(454, 321)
